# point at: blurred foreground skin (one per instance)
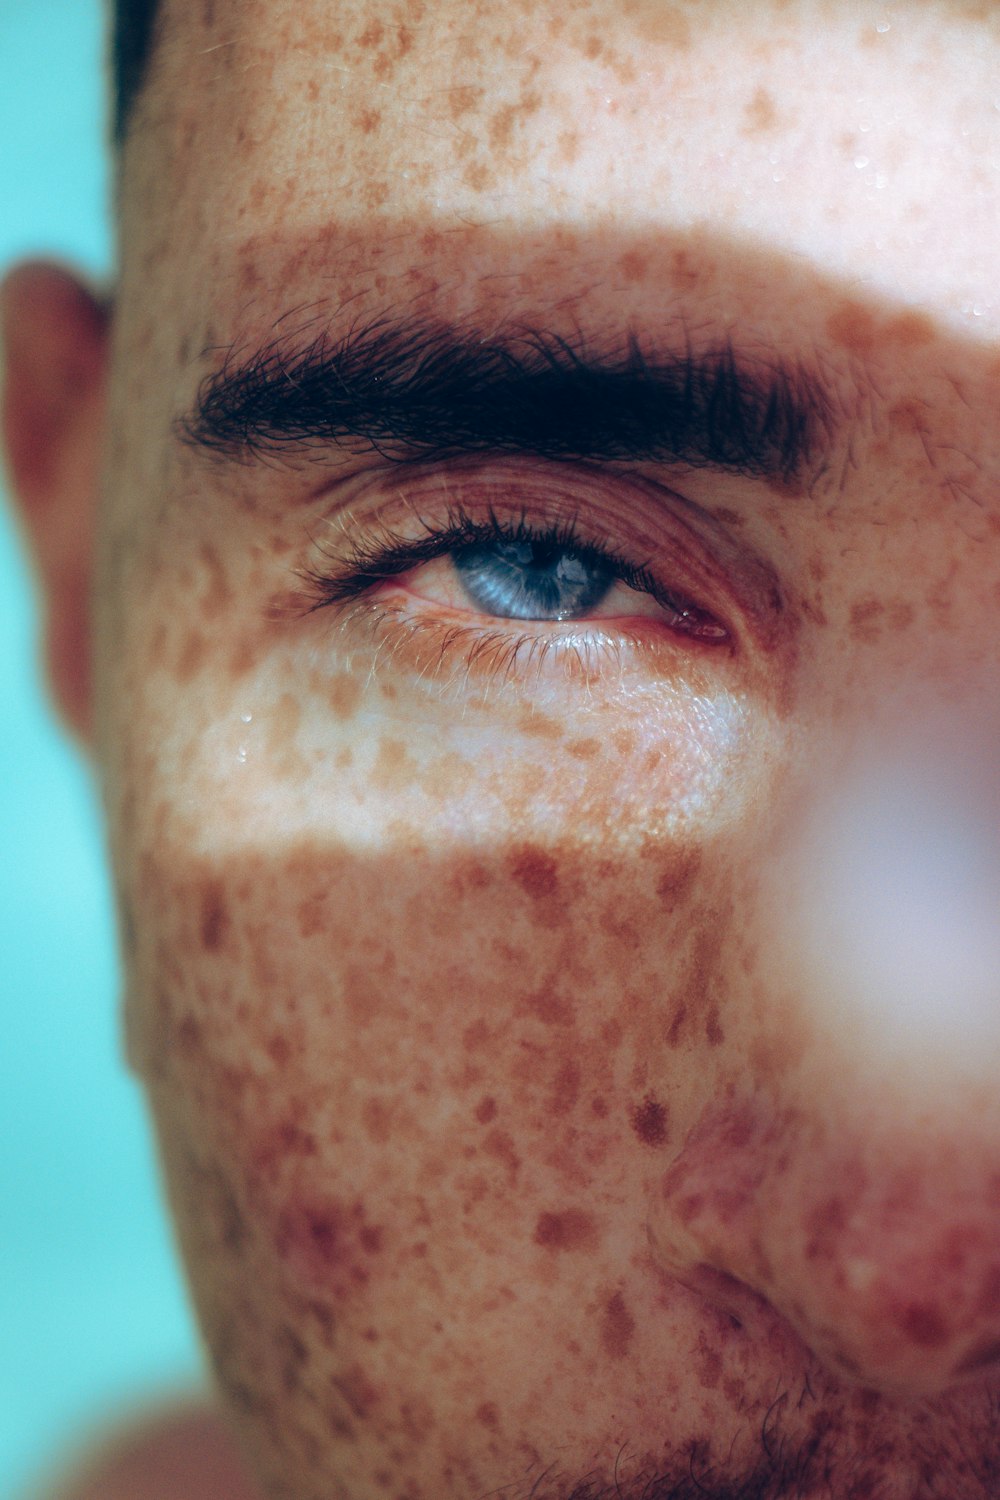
(538, 1113)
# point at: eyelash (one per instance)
(376, 556)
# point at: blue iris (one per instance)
(532, 580)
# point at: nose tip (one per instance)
(888, 1273)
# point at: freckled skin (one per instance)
(501, 1138)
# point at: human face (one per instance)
(521, 958)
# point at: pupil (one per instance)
(527, 580)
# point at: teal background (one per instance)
(93, 1320)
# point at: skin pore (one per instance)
(522, 1135)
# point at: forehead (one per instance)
(600, 150)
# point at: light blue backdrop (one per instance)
(92, 1317)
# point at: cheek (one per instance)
(413, 1109)
(409, 914)
(425, 992)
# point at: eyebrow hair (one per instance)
(415, 390)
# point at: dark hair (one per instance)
(131, 44)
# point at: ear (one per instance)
(55, 341)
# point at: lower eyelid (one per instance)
(446, 655)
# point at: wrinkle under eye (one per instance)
(532, 580)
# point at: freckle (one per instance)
(243, 658)
(685, 272)
(486, 1110)
(633, 266)
(370, 1238)
(488, 1415)
(476, 1036)
(865, 617)
(612, 1034)
(624, 741)
(761, 114)
(215, 920)
(593, 47)
(535, 872)
(478, 176)
(677, 1026)
(658, 23)
(188, 1036)
(368, 121)
(344, 694)
(311, 914)
(372, 35)
(394, 769)
(584, 749)
(677, 876)
(599, 1107)
(549, 1006)
(540, 726)
(283, 724)
(376, 1117)
(910, 330)
(852, 327)
(568, 1230)
(502, 127)
(714, 1034)
(565, 1088)
(923, 1323)
(376, 192)
(278, 1049)
(461, 101)
(310, 1238)
(617, 1327)
(649, 1121)
(450, 775)
(568, 142)
(500, 1146)
(345, 759)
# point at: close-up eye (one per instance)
(496, 570)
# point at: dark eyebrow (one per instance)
(413, 390)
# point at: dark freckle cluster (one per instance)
(649, 1121)
(569, 1229)
(535, 872)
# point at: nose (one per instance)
(857, 1197)
(887, 1266)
